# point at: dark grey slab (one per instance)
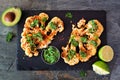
(36, 63)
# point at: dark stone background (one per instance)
(8, 50)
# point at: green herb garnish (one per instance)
(34, 23)
(91, 30)
(96, 37)
(30, 41)
(9, 36)
(44, 19)
(83, 54)
(71, 37)
(93, 43)
(52, 25)
(42, 26)
(68, 15)
(51, 55)
(83, 39)
(94, 26)
(74, 42)
(92, 22)
(71, 54)
(38, 35)
(82, 73)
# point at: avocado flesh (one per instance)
(17, 12)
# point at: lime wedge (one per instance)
(106, 53)
(101, 68)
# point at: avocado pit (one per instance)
(9, 17)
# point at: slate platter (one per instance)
(36, 63)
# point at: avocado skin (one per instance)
(18, 13)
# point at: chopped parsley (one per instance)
(52, 25)
(83, 39)
(96, 37)
(74, 42)
(44, 19)
(42, 26)
(93, 43)
(34, 23)
(68, 15)
(38, 35)
(51, 55)
(71, 54)
(9, 36)
(91, 30)
(30, 41)
(82, 73)
(72, 37)
(94, 26)
(83, 54)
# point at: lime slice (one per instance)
(101, 68)
(106, 53)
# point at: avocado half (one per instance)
(11, 16)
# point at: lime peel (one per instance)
(101, 68)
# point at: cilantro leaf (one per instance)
(74, 42)
(42, 26)
(82, 73)
(71, 54)
(93, 43)
(83, 54)
(30, 41)
(52, 25)
(94, 26)
(9, 36)
(38, 35)
(68, 15)
(83, 39)
(44, 19)
(34, 23)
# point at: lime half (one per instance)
(106, 53)
(101, 68)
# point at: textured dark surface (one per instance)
(36, 63)
(8, 50)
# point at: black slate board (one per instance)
(35, 63)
